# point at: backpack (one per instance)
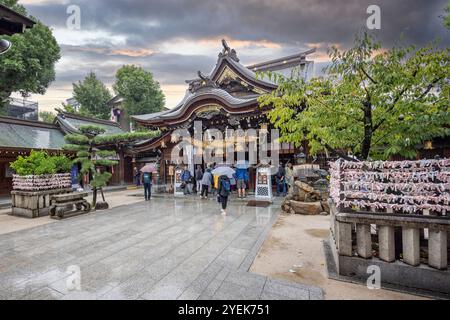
(147, 177)
(226, 185)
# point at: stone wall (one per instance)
(33, 204)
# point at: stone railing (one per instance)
(393, 214)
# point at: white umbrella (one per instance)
(224, 171)
(242, 164)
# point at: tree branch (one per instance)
(429, 87)
(330, 148)
(397, 98)
(368, 76)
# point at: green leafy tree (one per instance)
(67, 107)
(47, 116)
(93, 97)
(140, 92)
(372, 102)
(29, 66)
(93, 150)
(39, 162)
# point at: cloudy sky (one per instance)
(175, 38)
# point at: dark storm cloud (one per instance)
(291, 24)
(281, 21)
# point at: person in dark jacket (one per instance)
(281, 181)
(206, 182)
(198, 179)
(137, 177)
(223, 192)
(147, 181)
(186, 178)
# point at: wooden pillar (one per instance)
(121, 167)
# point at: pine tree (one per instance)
(94, 149)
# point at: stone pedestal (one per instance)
(33, 204)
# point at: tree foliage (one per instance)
(140, 92)
(47, 116)
(39, 162)
(93, 97)
(67, 107)
(29, 66)
(372, 102)
(94, 150)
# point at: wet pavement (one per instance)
(166, 248)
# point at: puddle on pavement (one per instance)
(318, 233)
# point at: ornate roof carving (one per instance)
(227, 51)
(201, 82)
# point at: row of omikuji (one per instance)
(42, 182)
(412, 185)
(409, 188)
(406, 164)
(394, 176)
(406, 208)
(392, 198)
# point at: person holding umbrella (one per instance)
(241, 177)
(147, 171)
(224, 185)
(224, 191)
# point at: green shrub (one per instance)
(39, 162)
(62, 164)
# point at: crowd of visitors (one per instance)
(212, 181)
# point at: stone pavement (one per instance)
(167, 248)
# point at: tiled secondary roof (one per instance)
(70, 123)
(29, 134)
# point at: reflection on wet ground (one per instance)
(167, 248)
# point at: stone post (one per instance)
(437, 249)
(411, 246)
(363, 240)
(344, 238)
(386, 242)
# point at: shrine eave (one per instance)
(195, 102)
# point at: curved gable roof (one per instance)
(189, 99)
(241, 71)
(207, 88)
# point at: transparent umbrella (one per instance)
(224, 171)
(242, 164)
